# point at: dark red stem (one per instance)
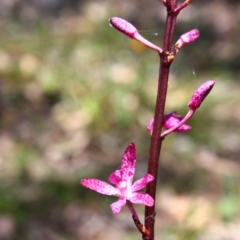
(156, 141)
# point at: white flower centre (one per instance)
(124, 189)
(123, 184)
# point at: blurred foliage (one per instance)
(73, 94)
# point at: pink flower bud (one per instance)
(172, 119)
(200, 94)
(123, 26)
(187, 37)
(129, 30)
(150, 126)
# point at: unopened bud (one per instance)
(172, 119)
(123, 26)
(186, 38)
(200, 94)
(150, 126)
(129, 30)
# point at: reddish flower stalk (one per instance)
(156, 141)
(142, 229)
(183, 5)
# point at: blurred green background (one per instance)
(74, 92)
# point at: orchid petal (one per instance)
(142, 182)
(100, 186)
(115, 177)
(183, 128)
(129, 163)
(141, 198)
(172, 119)
(117, 206)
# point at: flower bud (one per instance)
(186, 38)
(123, 26)
(200, 94)
(150, 126)
(129, 30)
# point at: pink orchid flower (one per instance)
(123, 178)
(170, 120)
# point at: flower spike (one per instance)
(132, 32)
(123, 178)
(200, 94)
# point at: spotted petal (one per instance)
(129, 163)
(115, 177)
(141, 198)
(117, 206)
(100, 186)
(142, 182)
